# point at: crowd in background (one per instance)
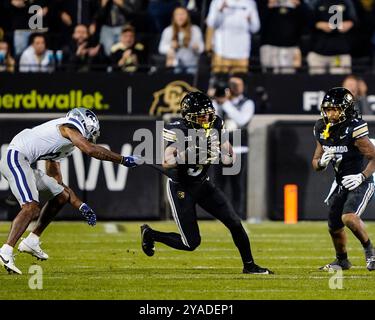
(230, 36)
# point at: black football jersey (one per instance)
(186, 173)
(340, 138)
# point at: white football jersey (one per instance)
(45, 142)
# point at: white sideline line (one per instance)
(110, 228)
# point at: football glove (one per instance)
(324, 161)
(88, 213)
(130, 161)
(353, 181)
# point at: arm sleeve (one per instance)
(24, 63)
(242, 116)
(351, 13)
(165, 41)
(169, 136)
(254, 25)
(215, 17)
(198, 38)
(315, 133)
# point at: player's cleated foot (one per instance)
(7, 261)
(255, 269)
(337, 264)
(32, 248)
(370, 263)
(370, 258)
(147, 241)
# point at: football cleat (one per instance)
(336, 265)
(147, 241)
(255, 269)
(370, 263)
(32, 248)
(7, 261)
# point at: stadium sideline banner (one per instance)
(113, 191)
(155, 94)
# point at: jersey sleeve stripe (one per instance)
(169, 135)
(169, 131)
(360, 126)
(360, 131)
(362, 135)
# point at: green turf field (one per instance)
(90, 263)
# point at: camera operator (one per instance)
(236, 110)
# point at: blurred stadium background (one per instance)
(127, 97)
(280, 131)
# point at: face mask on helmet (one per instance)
(338, 116)
(89, 122)
(197, 110)
(201, 120)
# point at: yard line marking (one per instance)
(110, 228)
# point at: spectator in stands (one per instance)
(64, 15)
(282, 25)
(7, 63)
(36, 58)
(229, 27)
(182, 43)
(237, 111)
(19, 12)
(128, 55)
(112, 16)
(83, 53)
(358, 87)
(160, 12)
(331, 43)
(361, 34)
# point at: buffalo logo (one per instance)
(181, 194)
(167, 100)
(348, 97)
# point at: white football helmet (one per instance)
(89, 121)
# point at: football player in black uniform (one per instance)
(189, 185)
(342, 140)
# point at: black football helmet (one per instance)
(197, 110)
(341, 98)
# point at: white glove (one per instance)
(327, 156)
(353, 181)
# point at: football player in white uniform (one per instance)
(51, 141)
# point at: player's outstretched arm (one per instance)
(93, 150)
(366, 147)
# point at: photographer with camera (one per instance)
(237, 111)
